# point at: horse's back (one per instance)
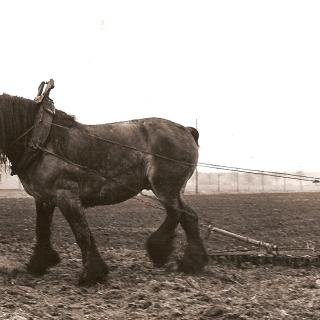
(153, 135)
(157, 148)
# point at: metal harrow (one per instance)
(271, 254)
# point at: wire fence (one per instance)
(245, 182)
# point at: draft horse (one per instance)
(83, 166)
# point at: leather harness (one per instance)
(41, 129)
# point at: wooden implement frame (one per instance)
(270, 247)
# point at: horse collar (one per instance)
(41, 131)
(43, 123)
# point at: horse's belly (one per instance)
(111, 193)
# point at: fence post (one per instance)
(301, 174)
(237, 181)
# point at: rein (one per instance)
(126, 146)
(19, 138)
(35, 144)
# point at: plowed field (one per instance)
(136, 289)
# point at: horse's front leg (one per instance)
(44, 255)
(94, 268)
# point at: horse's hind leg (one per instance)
(195, 257)
(44, 255)
(94, 268)
(160, 243)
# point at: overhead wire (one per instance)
(262, 172)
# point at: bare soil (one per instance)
(135, 289)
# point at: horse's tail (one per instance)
(195, 134)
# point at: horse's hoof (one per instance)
(191, 266)
(40, 262)
(98, 272)
(36, 270)
(159, 249)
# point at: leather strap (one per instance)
(41, 129)
(43, 123)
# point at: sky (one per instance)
(247, 71)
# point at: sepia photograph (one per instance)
(159, 160)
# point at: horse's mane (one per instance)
(17, 115)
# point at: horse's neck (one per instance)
(14, 128)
